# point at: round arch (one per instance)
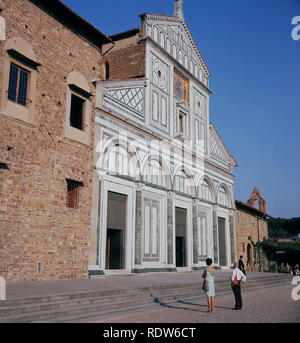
(22, 47)
(210, 185)
(162, 163)
(189, 176)
(111, 144)
(77, 79)
(227, 192)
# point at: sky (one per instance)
(255, 83)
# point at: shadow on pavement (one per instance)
(194, 304)
(163, 304)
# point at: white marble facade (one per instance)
(161, 152)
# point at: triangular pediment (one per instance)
(173, 35)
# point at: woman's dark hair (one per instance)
(209, 261)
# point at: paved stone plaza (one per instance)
(270, 305)
(151, 298)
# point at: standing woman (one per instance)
(209, 275)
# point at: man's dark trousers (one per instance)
(238, 297)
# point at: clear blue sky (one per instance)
(255, 66)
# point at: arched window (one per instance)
(155, 34)
(222, 197)
(204, 191)
(162, 40)
(154, 174)
(118, 161)
(106, 70)
(182, 183)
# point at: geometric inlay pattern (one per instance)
(131, 97)
(215, 148)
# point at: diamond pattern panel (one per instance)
(216, 149)
(131, 97)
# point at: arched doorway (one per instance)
(249, 256)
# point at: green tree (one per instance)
(281, 227)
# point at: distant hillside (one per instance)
(281, 227)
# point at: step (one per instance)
(141, 299)
(71, 296)
(103, 315)
(89, 300)
(123, 293)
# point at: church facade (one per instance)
(163, 188)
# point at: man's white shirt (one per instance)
(239, 273)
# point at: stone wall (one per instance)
(40, 238)
(246, 225)
(127, 62)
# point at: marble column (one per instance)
(215, 237)
(138, 224)
(170, 230)
(232, 243)
(195, 232)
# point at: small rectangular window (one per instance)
(76, 115)
(73, 193)
(18, 84)
(181, 124)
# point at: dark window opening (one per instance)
(181, 116)
(18, 84)
(3, 166)
(76, 115)
(106, 71)
(73, 193)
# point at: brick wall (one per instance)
(35, 225)
(127, 62)
(247, 225)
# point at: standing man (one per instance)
(241, 265)
(236, 278)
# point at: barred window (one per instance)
(73, 193)
(18, 84)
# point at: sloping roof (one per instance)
(125, 34)
(212, 127)
(65, 15)
(239, 203)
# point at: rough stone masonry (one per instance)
(40, 238)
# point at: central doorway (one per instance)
(180, 221)
(222, 242)
(116, 229)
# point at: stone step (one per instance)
(55, 311)
(92, 294)
(38, 304)
(54, 303)
(164, 301)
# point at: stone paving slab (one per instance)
(122, 282)
(266, 305)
